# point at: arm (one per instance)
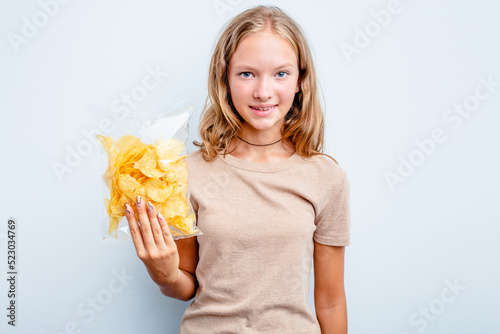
(186, 285)
(329, 293)
(171, 264)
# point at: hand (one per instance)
(153, 242)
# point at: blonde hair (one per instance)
(220, 122)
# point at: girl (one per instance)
(268, 202)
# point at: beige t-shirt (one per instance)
(259, 221)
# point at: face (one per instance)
(263, 78)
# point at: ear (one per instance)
(298, 86)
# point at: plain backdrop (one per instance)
(412, 103)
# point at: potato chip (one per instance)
(157, 172)
(148, 164)
(158, 190)
(182, 223)
(128, 184)
(169, 149)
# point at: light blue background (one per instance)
(440, 225)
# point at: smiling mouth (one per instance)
(263, 109)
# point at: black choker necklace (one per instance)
(258, 144)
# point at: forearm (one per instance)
(333, 320)
(182, 288)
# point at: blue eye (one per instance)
(245, 74)
(281, 74)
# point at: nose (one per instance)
(263, 89)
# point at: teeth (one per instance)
(263, 109)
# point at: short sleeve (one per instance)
(333, 224)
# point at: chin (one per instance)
(266, 125)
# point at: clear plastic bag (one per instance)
(145, 155)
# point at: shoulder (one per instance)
(196, 158)
(324, 170)
(197, 163)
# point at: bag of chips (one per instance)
(146, 156)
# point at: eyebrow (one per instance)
(243, 66)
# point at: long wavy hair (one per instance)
(220, 121)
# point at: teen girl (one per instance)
(268, 202)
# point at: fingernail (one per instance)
(127, 207)
(138, 200)
(160, 216)
(150, 206)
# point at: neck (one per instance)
(259, 138)
(239, 148)
(252, 144)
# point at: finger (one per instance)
(134, 229)
(167, 236)
(155, 226)
(144, 224)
